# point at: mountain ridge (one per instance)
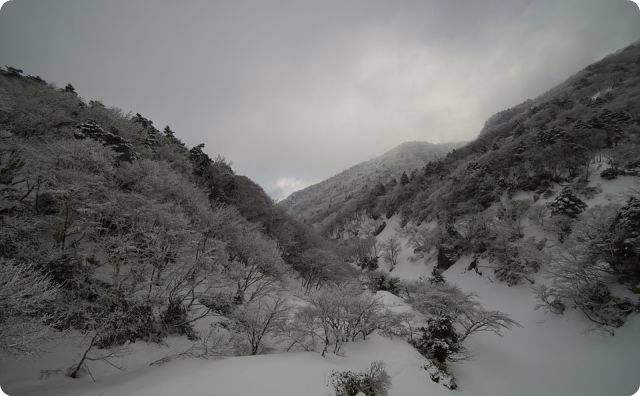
(310, 203)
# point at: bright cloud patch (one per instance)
(285, 186)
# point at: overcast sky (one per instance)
(293, 92)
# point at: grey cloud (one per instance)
(298, 90)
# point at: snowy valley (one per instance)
(132, 264)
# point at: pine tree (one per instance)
(168, 132)
(70, 88)
(404, 179)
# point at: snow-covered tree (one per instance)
(463, 309)
(258, 319)
(342, 314)
(26, 307)
(391, 249)
(255, 265)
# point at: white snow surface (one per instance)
(548, 356)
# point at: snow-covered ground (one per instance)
(548, 355)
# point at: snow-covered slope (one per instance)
(316, 202)
(547, 356)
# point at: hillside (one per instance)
(133, 265)
(592, 118)
(548, 195)
(550, 188)
(319, 203)
(113, 229)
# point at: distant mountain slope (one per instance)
(537, 146)
(592, 117)
(315, 203)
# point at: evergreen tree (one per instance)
(168, 132)
(70, 88)
(439, 340)
(404, 179)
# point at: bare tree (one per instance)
(479, 320)
(341, 314)
(319, 266)
(259, 318)
(105, 356)
(464, 310)
(510, 215)
(255, 266)
(391, 249)
(25, 305)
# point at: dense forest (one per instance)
(122, 231)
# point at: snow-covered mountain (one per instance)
(500, 268)
(314, 203)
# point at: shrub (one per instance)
(439, 340)
(369, 263)
(436, 277)
(567, 204)
(462, 309)
(439, 374)
(593, 299)
(132, 321)
(175, 319)
(220, 302)
(578, 280)
(337, 315)
(511, 272)
(624, 246)
(381, 281)
(373, 382)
